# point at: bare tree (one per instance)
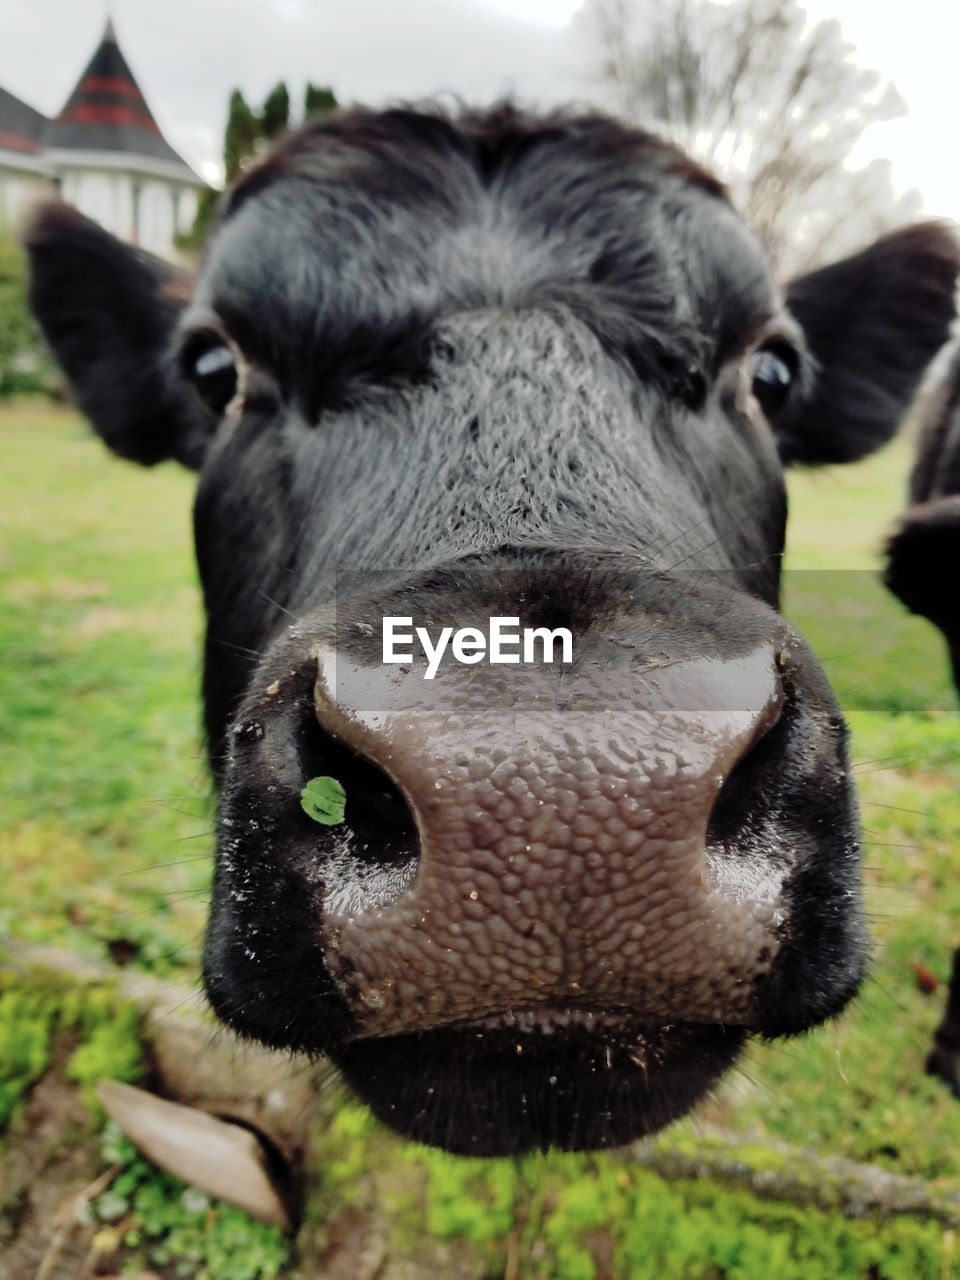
(771, 102)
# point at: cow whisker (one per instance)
(895, 808)
(276, 604)
(159, 866)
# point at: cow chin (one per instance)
(573, 1082)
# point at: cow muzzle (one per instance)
(619, 832)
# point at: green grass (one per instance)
(106, 816)
(103, 782)
(856, 1087)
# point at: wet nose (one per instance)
(522, 838)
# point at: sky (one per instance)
(188, 54)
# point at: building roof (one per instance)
(21, 127)
(107, 112)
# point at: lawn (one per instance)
(106, 819)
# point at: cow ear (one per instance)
(873, 323)
(109, 313)
(923, 558)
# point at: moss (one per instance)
(469, 1199)
(577, 1217)
(35, 1009)
(698, 1229)
(702, 1230)
(111, 1050)
(26, 1031)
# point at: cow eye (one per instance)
(210, 366)
(772, 371)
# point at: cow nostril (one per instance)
(377, 820)
(738, 808)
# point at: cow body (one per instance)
(923, 567)
(925, 550)
(500, 365)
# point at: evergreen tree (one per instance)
(245, 133)
(240, 139)
(317, 100)
(275, 117)
(192, 241)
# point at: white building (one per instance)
(104, 153)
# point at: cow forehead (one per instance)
(333, 235)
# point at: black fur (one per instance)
(109, 313)
(923, 570)
(924, 553)
(873, 322)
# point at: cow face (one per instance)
(537, 368)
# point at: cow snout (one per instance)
(555, 850)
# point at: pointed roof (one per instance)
(21, 127)
(108, 112)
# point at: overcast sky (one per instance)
(188, 54)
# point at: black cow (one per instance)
(923, 568)
(537, 367)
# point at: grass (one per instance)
(106, 819)
(856, 1087)
(106, 812)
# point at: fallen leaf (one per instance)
(926, 981)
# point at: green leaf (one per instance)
(324, 800)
